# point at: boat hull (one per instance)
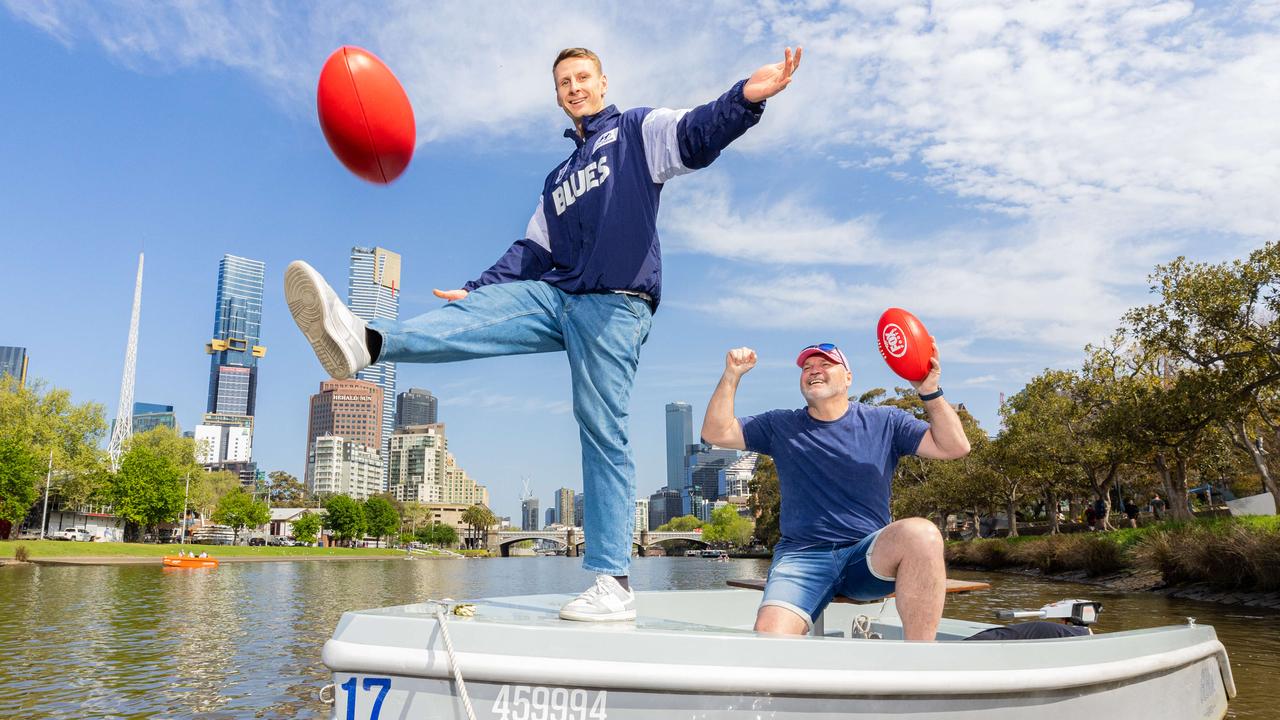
(521, 663)
(188, 562)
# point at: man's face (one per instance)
(580, 87)
(821, 379)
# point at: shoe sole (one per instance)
(303, 294)
(595, 617)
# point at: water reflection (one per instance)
(244, 640)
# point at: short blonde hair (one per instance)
(577, 52)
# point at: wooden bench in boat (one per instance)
(953, 586)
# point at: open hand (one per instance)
(772, 79)
(739, 361)
(450, 295)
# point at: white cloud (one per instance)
(1116, 134)
(781, 231)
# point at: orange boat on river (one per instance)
(189, 562)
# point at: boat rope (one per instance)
(862, 625)
(442, 608)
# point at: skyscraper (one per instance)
(237, 330)
(550, 517)
(663, 506)
(679, 438)
(529, 514)
(149, 416)
(373, 291)
(415, 407)
(349, 409)
(564, 507)
(13, 361)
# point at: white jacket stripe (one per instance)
(661, 147)
(537, 229)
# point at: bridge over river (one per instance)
(573, 538)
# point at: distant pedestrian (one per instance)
(1157, 507)
(1131, 511)
(1090, 518)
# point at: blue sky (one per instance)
(1008, 171)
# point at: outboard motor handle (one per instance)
(1075, 612)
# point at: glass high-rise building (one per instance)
(373, 291)
(679, 438)
(149, 416)
(13, 361)
(529, 514)
(237, 336)
(415, 407)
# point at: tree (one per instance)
(380, 516)
(478, 519)
(727, 526)
(19, 475)
(344, 518)
(208, 489)
(44, 422)
(684, 523)
(437, 534)
(164, 441)
(306, 528)
(238, 510)
(147, 490)
(285, 489)
(1221, 324)
(765, 501)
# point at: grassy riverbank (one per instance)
(37, 549)
(1223, 553)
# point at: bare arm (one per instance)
(720, 426)
(945, 439)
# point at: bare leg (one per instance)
(911, 551)
(774, 619)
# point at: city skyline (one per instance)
(871, 183)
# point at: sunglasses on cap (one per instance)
(826, 349)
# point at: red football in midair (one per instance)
(365, 115)
(904, 344)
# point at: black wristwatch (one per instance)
(931, 396)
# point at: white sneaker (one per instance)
(605, 601)
(336, 335)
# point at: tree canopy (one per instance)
(238, 510)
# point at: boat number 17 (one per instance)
(524, 702)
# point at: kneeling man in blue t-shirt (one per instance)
(835, 461)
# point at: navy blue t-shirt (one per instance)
(834, 475)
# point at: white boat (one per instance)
(692, 654)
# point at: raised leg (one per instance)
(910, 551)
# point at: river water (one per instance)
(243, 641)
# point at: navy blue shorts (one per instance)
(805, 581)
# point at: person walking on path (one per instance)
(585, 279)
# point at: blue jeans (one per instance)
(805, 581)
(602, 334)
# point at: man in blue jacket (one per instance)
(585, 279)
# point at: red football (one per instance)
(904, 344)
(365, 115)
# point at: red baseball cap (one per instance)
(826, 350)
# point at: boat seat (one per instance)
(953, 586)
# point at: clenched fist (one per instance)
(739, 361)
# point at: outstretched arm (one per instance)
(527, 259)
(945, 439)
(681, 141)
(720, 426)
